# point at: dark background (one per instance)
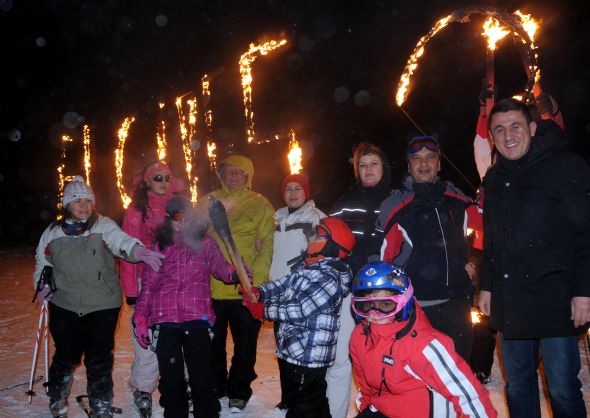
(333, 83)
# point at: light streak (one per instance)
(122, 134)
(187, 132)
(60, 174)
(211, 147)
(87, 163)
(295, 154)
(161, 137)
(245, 62)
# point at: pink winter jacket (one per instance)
(144, 231)
(181, 290)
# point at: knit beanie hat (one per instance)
(177, 204)
(299, 179)
(77, 189)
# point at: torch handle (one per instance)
(489, 78)
(237, 262)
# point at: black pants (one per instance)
(176, 346)
(92, 335)
(305, 392)
(484, 344)
(244, 330)
(282, 373)
(454, 319)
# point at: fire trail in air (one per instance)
(122, 134)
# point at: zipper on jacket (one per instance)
(105, 282)
(444, 243)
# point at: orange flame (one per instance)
(475, 316)
(161, 137)
(187, 132)
(294, 155)
(60, 173)
(211, 147)
(493, 31)
(245, 62)
(530, 26)
(403, 86)
(87, 164)
(207, 104)
(122, 135)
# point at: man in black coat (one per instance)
(535, 278)
(424, 227)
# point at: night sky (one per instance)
(69, 63)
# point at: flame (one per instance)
(207, 105)
(245, 62)
(60, 174)
(161, 137)
(294, 155)
(122, 134)
(529, 24)
(403, 85)
(493, 31)
(87, 164)
(211, 147)
(475, 316)
(187, 132)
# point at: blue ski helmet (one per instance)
(382, 275)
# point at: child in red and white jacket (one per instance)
(406, 368)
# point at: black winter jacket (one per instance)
(424, 226)
(537, 238)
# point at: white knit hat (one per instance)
(77, 189)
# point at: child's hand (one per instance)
(256, 309)
(140, 330)
(252, 296)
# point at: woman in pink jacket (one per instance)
(176, 304)
(153, 188)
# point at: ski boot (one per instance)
(58, 408)
(143, 402)
(102, 409)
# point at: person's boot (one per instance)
(143, 402)
(100, 408)
(58, 396)
(58, 408)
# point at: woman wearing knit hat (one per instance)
(154, 187)
(294, 223)
(359, 208)
(86, 296)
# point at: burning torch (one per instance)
(493, 31)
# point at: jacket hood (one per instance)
(241, 162)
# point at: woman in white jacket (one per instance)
(293, 224)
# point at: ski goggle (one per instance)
(419, 142)
(381, 307)
(159, 178)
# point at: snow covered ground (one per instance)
(18, 322)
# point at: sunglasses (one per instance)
(419, 142)
(158, 178)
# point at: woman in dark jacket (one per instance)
(359, 208)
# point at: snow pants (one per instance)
(177, 345)
(306, 393)
(144, 369)
(339, 375)
(244, 330)
(92, 335)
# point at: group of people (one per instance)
(381, 287)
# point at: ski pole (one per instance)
(37, 340)
(46, 327)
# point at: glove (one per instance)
(131, 300)
(151, 258)
(546, 104)
(256, 309)
(45, 294)
(140, 331)
(487, 92)
(253, 296)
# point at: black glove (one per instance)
(487, 92)
(235, 277)
(546, 104)
(131, 300)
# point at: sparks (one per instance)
(245, 62)
(122, 135)
(403, 86)
(294, 155)
(493, 31)
(187, 132)
(60, 173)
(87, 163)
(161, 137)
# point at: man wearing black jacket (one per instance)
(424, 223)
(535, 278)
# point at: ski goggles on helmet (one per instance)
(419, 142)
(159, 178)
(380, 307)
